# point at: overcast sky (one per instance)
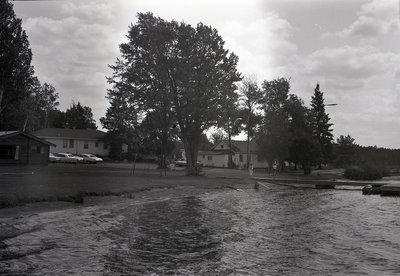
(350, 47)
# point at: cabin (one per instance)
(21, 148)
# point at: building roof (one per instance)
(213, 152)
(8, 134)
(238, 146)
(70, 133)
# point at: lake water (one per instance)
(274, 231)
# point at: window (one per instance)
(209, 158)
(6, 152)
(222, 146)
(16, 156)
(71, 143)
(241, 158)
(105, 146)
(97, 144)
(204, 156)
(37, 149)
(65, 143)
(86, 145)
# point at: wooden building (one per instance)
(21, 148)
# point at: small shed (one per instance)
(21, 148)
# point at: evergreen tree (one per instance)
(78, 116)
(322, 131)
(16, 71)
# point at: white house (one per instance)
(218, 156)
(75, 141)
(239, 154)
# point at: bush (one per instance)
(365, 172)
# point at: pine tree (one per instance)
(78, 116)
(16, 71)
(322, 131)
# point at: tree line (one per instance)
(25, 103)
(173, 82)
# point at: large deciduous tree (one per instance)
(322, 131)
(182, 72)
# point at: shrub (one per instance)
(365, 172)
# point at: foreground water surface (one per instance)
(274, 231)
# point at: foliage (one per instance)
(365, 172)
(348, 153)
(273, 137)
(303, 147)
(16, 71)
(217, 136)
(205, 143)
(229, 122)
(79, 117)
(322, 131)
(24, 103)
(303, 151)
(250, 95)
(181, 71)
(40, 105)
(345, 151)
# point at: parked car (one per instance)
(80, 159)
(183, 163)
(68, 158)
(91, 158)
(180, 163)
(53, 158)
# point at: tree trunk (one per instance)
(191, 151)
(248, 148)
(1, 97)
(46, 119)
(230, 162)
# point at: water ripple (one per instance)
(275, 231)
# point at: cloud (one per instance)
(72, 52)
(261, 42)
(350, 62)
(374, 19)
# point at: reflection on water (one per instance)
(275, 231)
(163, 237)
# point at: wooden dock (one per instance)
(367, 187)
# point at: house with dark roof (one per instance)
(75, 141)
(18, 147)
(218, 156)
